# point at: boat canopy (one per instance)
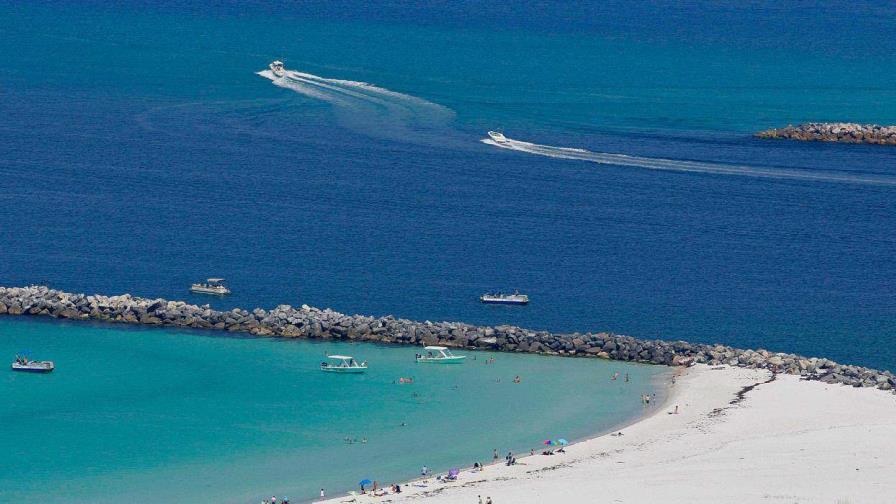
(215, 280)
(343, 357)
(435, 348)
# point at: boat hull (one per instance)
(33, 369)
(457, 359)
(209, 292)
(503, 301)
(349, 370)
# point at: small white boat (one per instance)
(498, 137)
(30, 366)
(277, 68)
(213, 286)
(343, 364)
(498, 298)
(440, 355)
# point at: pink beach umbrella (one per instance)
(548, 442)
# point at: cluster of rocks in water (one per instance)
(307, 322)
(835, 132)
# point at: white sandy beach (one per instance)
(787, 441)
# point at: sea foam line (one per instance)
(689, 166)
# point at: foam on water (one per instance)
(691, 166)
(372, 110)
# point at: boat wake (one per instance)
(690, 166)
(370, 109)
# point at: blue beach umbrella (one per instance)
(365, 482)
(562, 442)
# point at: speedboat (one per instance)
(31, 366)
(498, 137)
(499, 298)
(277, 68)
(440, 355)
(213, 286)
(343, 364)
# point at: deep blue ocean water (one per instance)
(139, 152)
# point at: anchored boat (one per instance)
(499, 298)
(214, 286)
(277, 68)
(440, 355)
(29, 366)
(343, 364)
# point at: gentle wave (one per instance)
(690, 166)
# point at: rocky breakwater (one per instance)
(307, 322)
(835, 132)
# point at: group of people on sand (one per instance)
(273, 500)
(379, 492)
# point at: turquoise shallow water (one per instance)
(148, 415)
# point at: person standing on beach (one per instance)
(322, 493)
(480, 499)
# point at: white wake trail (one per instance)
(372, 110)
(690, 166)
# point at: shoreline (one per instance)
(757, 433)
(665, 398)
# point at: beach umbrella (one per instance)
(365, 482)
(548, 442)
(562, 442)
(453, 471)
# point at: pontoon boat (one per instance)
(440, 355)
(500, 298)
(343, 364)
(30, 366)
(211, 286)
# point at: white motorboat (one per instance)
(343, 364)
(277, 68)
(439, 355)
(499, 298)
(498, 137)
(31, 366)
(214, 286)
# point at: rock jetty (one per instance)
(306, 322)
(835, 132)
